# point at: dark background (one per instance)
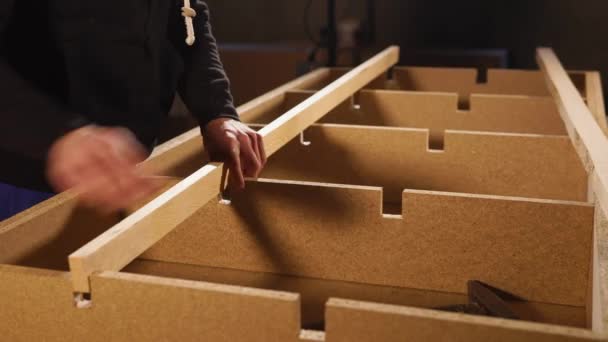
(575, 29)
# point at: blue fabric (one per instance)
(14, 200)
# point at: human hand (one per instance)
(100, 164)
(239, 146)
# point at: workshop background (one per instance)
(514, 27)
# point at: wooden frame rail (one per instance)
(592, 147)
(124, 242)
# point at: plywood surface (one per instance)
(539, 250)
(398, 158)
(360, 321)
(37, 306)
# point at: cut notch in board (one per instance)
(398, 158)
(433, 246)
(439, 112)
(124, 242)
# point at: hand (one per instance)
(240, 147)
(100, 163)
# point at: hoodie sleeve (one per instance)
(31, 121)
(204, 86)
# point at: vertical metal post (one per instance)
(332, 39)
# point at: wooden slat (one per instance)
(595, 98)
(124, 242)
(289, 125)
(592, 147)
(348, 321)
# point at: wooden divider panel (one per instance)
(536, 249)
(44, 236)
(314, 293)
(37, 305)
(398, 158)
(439, 112)
(368, 322)
(463, 81)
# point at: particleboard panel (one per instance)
(398, 158)
(368, 322)
(443, 240)
(37, 305)
(45, 235)
(438, 112)
(314, 293)
(463, 81)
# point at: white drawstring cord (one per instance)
(188, 13)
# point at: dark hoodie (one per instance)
(67, 63)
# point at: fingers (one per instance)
(236, 171)
(251, 163)
(258, 146)
(223, 136)
(101, 166)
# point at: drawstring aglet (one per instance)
(188, 13)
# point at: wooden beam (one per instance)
(125, 241)
(592, 146)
